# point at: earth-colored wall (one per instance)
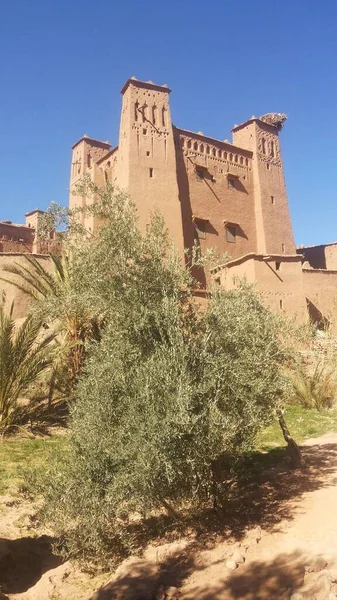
(320, 288)
(21, 300)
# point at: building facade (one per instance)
(226, 195)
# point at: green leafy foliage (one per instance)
(24, 356)
(167, 392)
(316, 389)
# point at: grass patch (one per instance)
(17, 454)
(303, 423)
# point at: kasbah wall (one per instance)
(230, 196)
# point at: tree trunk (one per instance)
(296, 459)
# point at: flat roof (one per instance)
(299, 248)
(106, 145)
(36, 210)
(145, 84)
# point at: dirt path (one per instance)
(280, 534)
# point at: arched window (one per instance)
(241, 160)
(207, 149)
(182, 142)
(214, 152)
(231, 156)
(136, 110)
(163, 116)
(236, 158)
(225, 155)
(219, 153)
(195, 146)
(272, 149)
(154, 114)
(202, 149)
(189, 144)
(246, 161)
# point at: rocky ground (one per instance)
(279, 543)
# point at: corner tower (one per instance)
(273, 223)
(146, 165)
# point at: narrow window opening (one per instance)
(189, 144)
(89, 161)
(136, 110)
(195, 145)
(283, 248)
(151, 172)
(231, 156)
(272, 149)
(144, 113)
(281, 304)
(231, 233)
(214, 152)
(202, 149)
(263, 145)
(236, 158)
(154, 115)
(268, 166)
(241, 160)
(147, 153)
(246, 162)
(277, 266)
(225, 155)
(207, 149)
(163, 116)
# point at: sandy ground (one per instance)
(278, 541)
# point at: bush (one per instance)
(314, 390)
(166, 393)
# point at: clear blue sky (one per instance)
(63, 63)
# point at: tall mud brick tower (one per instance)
(222, 195)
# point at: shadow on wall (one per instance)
(316, 317)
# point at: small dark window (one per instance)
(277, 266)
(268, 166)
(151, 172)
(29, 225)
(272, 199)
(147, 153)
(189, 144)
(200, 228)
(195, 145)
(263, 146)
(283, 248)
(281, 304)
(231, 233)
(231, 183)
(144, 131)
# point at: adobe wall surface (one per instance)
(320, 257)
(278, 281)
(216, 187)
(21, 300)
(319, 287)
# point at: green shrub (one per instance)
(165, 394)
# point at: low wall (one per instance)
(320, 288)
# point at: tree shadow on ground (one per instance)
(274, 580)
(260, 495)
(266, 494)
(23, 561)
